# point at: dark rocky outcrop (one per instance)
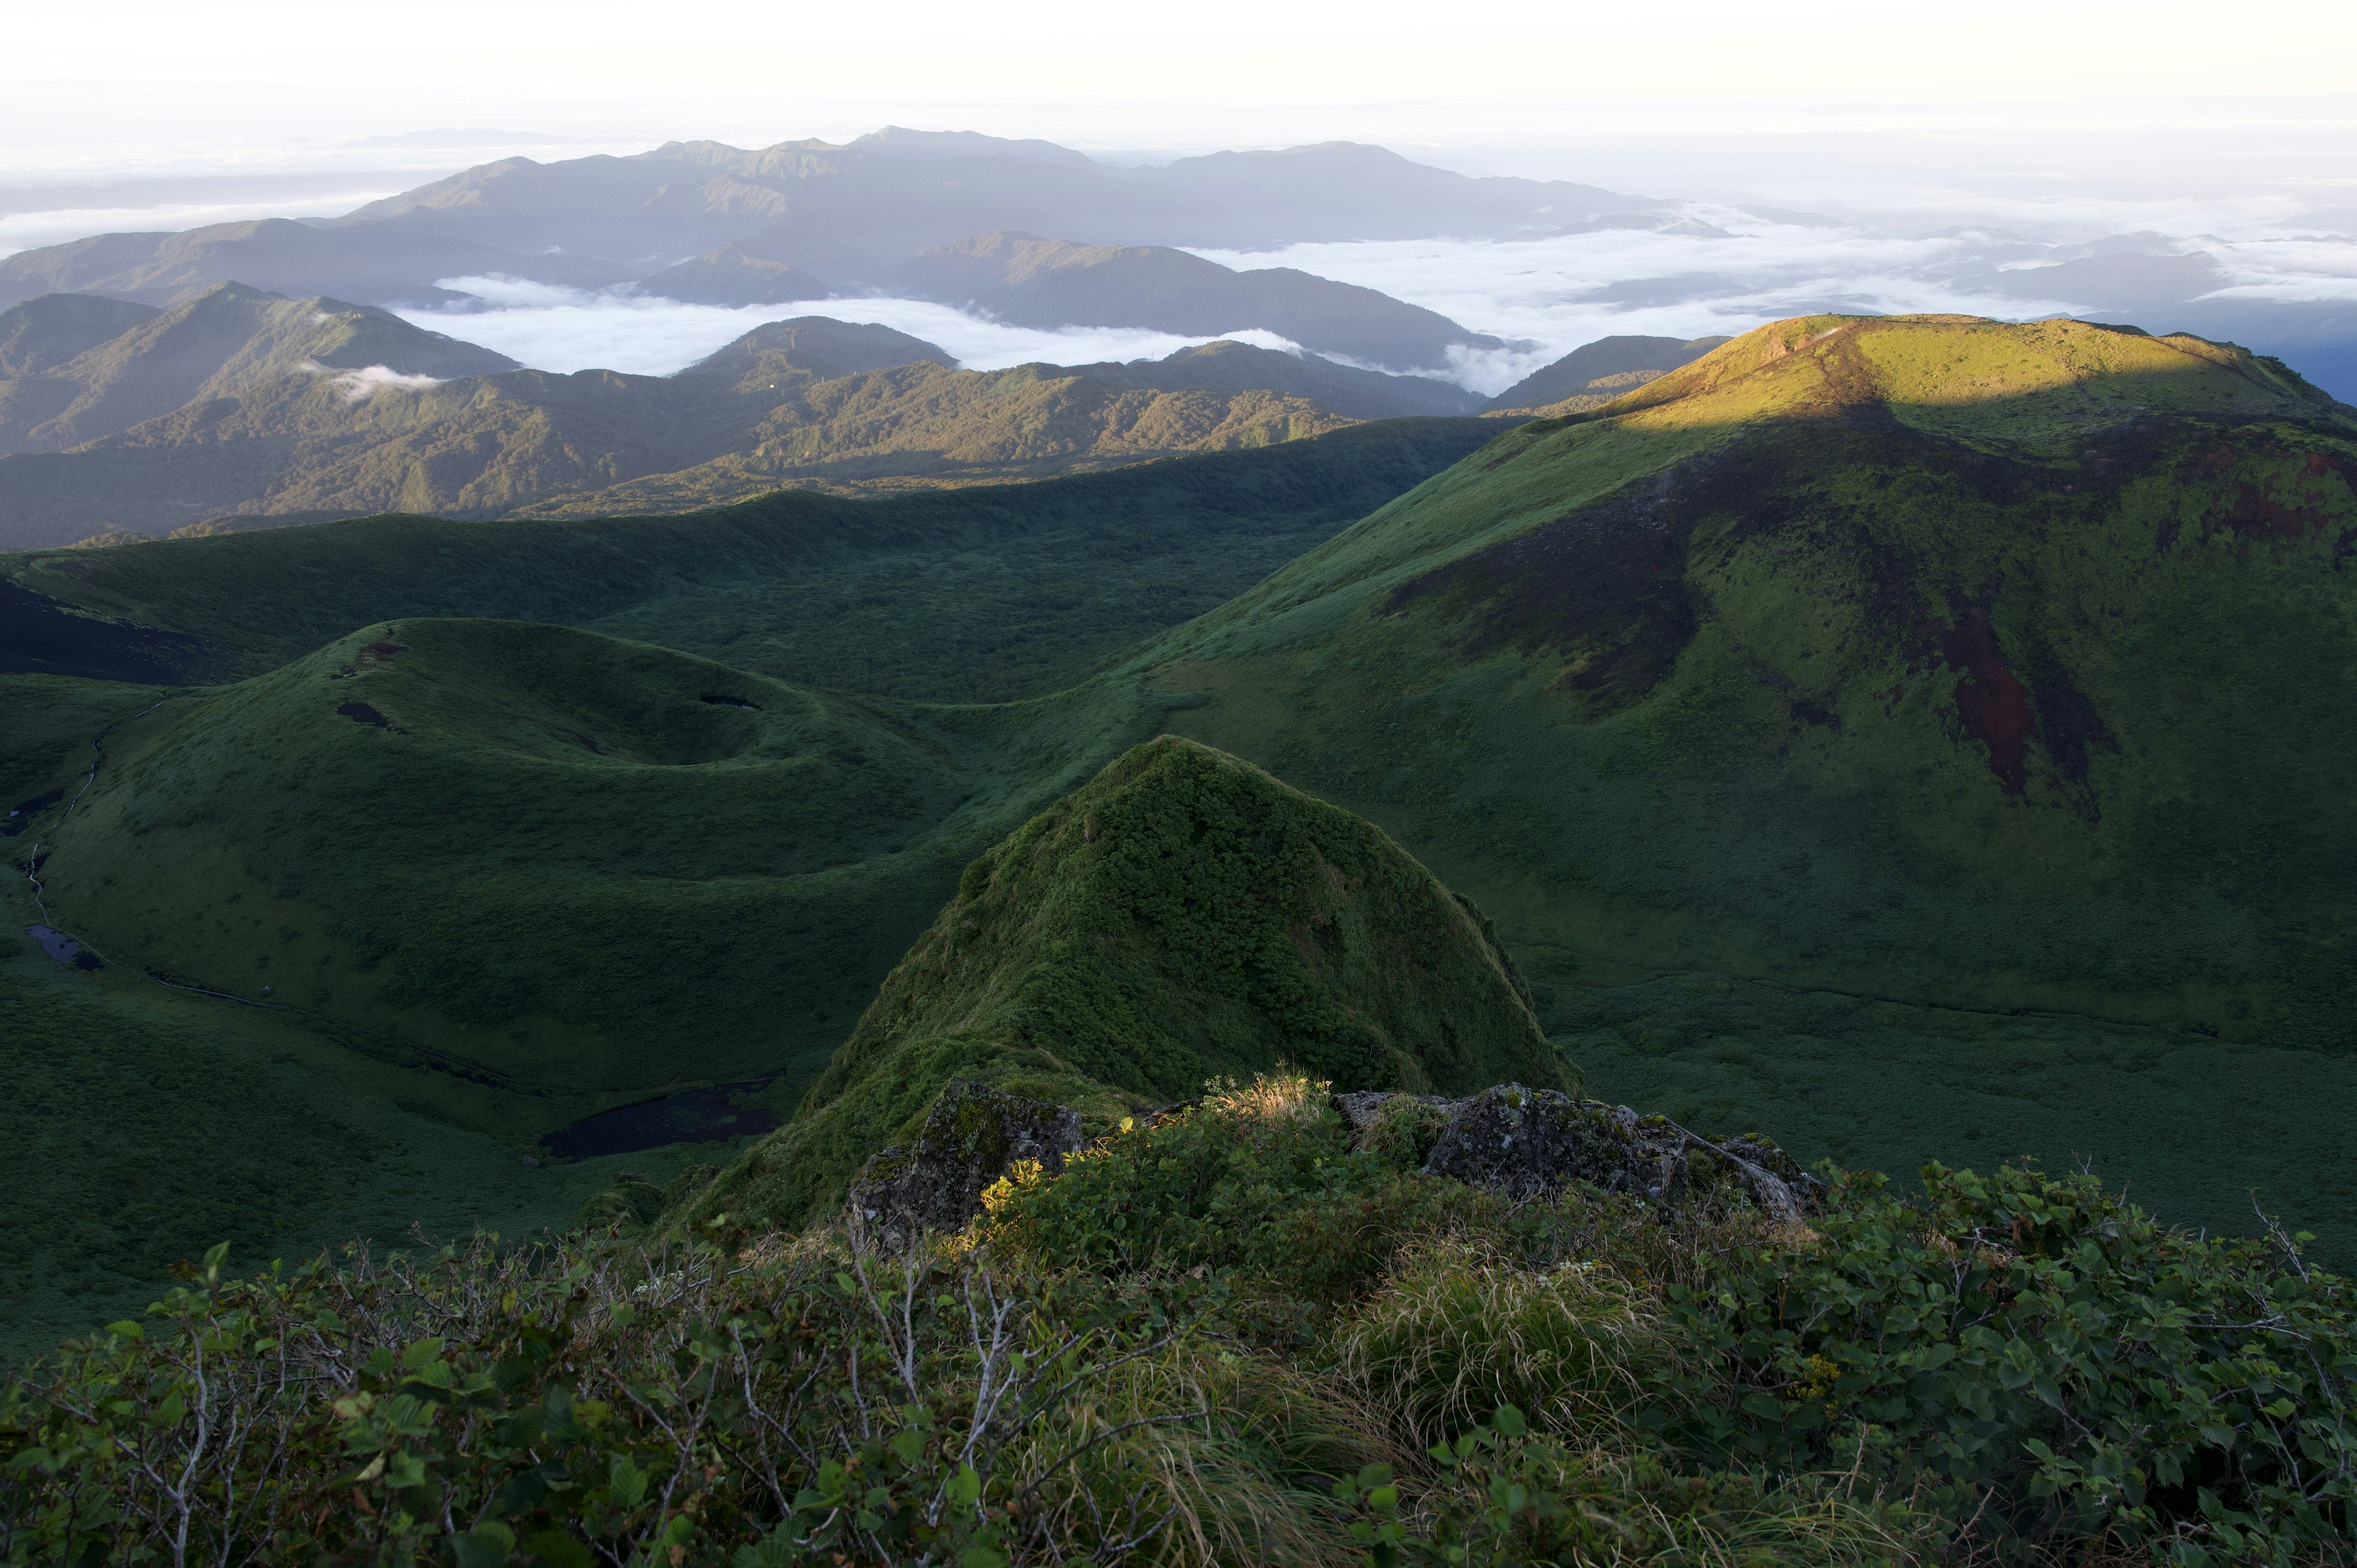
(972, 1136)
(1526, 1141)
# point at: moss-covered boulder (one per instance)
(1181, 916)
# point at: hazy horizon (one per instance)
(1876, 158)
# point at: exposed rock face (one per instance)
(1525, 1141)
(974, 1136)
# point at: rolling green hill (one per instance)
(575, 869)
(1181, 915)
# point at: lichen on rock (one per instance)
(1528, 1142)
(972, 1136)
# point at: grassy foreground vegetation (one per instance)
(1234, 1335)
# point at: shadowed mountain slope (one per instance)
(732, 276)
(1230, 366)
(43, 333)
(1936, 719)
(1022, 278)
(1182, 914)
(983, 592)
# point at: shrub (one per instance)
(582, 1406)
(1258, 1184)
(1507, 1497)
(2035, 1351)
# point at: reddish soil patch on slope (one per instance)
(1992, 703)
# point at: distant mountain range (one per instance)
(240, 408)
(712, 224)
(804, 210)
(1033, 282)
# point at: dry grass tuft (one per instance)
(1459, 1331)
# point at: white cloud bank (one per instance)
(1734, 270)
(371, 380)
(552, 327)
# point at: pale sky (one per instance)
(1518, 50)
(1709, 97)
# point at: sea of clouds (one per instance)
(1728, 270)
(1837, 244)
(552, 327)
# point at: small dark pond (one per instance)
(22, 817)
(63, 947)
(698, 1116)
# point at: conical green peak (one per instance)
(1183, 915)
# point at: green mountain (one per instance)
(1181, 915)
(232, 405)
(69, 379)
(1883, 725)
(1033, 282)
(1595, 373)
(1876, 730)
(571, 867)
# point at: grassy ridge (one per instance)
(50, 720)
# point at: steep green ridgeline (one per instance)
(979, 594)
(1950, 686)
(578, 870)
(1182, 915)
